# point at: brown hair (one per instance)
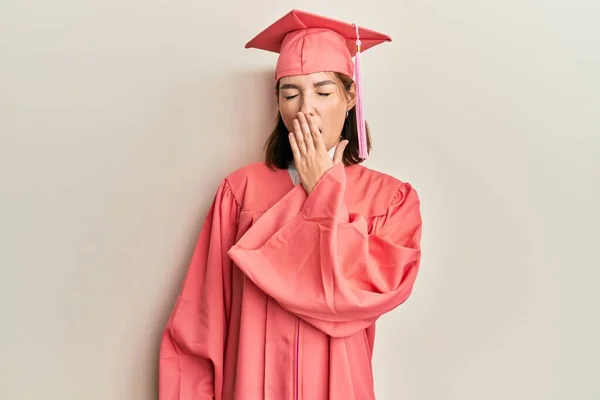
(278, 152)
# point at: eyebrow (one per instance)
(316, 84)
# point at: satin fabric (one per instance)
(283, 290)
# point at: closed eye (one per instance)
(291, 97)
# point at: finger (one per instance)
(339, 151)
(308, 139)
(316, 135)
(294, 146)
(299, 136)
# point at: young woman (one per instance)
(302, 253)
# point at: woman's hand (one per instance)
(310, 155)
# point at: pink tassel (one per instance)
(360, 117)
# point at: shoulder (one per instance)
(367, 176)
(375, 191)
(256, 170)
(253, 182)
(248, 171)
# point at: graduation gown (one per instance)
(283, 290)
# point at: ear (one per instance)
(351, 96)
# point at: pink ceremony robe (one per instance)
(284, 288)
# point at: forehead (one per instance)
(307, 79)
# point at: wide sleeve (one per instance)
(192, 346)
(319, 261)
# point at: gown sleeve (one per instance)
(192, 346)
(319, 262)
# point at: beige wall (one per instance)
(118, 119)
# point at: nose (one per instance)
(306, 107)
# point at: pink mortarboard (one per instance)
(309, 43)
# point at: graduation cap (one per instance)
(309, 43)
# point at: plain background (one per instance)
(119, 119)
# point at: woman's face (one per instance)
(319, 94)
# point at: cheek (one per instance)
(288, 113)
(333, 130)
(335, 120)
